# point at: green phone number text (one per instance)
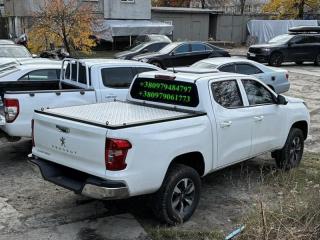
(166, 86)
(165, 96)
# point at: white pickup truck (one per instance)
(173, 129)
(86, 81)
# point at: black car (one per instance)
(140, 49)
(301, 44)
(182, 54)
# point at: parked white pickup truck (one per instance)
(86, 81)
(172, 130)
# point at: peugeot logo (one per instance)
(63, 142)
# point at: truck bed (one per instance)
(115, 115)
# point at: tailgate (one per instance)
(70, 143)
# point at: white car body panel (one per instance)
(276, 78)
(97, 92)
(156, 145)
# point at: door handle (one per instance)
(258, 118)
(226, 124)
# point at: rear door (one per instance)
(198, 52)
(181, 56)
(249, 69)
(234, 124)
(265, 115)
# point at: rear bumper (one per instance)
(79, 182)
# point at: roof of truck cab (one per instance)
(99, 61)
(192, 77)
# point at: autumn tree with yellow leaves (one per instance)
(291, 9)
(62, 23)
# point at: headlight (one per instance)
(266, 49)
(144, 60)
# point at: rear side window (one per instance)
(156, 47)
(247, 69)
(44, 75)
(119, 77)
(257, 94)
(227, 94)
(165, 91)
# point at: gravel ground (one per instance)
(27, 203)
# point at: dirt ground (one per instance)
(29, 203)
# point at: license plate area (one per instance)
(252, 54)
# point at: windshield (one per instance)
(139, 47)
(281, 38)
(168, 48)
(204, 65)
(14, 52)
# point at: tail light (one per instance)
(287, 76)
(32, 127)
(11, 109)
(116, 153)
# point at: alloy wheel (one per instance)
(295, 151)
(183, 197)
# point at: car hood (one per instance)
(147, 55)
(294, 100)
(266, 45)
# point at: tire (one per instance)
(317, 60)
(180, 191)
(276, 59)
(291, 154)
(157, 64)
(299, 62)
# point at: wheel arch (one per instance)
(303, 126)
(194, 160)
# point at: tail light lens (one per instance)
(287, 76)
(116, 153)
(32, 127)
(11, 109)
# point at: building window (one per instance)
(127, 1)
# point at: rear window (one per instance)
(165, 91)
(119, 77)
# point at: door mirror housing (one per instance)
(281, 100)
(144, 50)
(289, 44)
(172, 54)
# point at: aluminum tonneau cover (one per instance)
(117, 114)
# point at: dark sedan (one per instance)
(182, 54)
(140, 49)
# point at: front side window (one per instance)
(257, 94)
(120, 77)
(247, 69)
(182, 49)
(227, 94)
(228, 68)
(198, 47)
(44, 74)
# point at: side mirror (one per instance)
(145, 50)
(172, 54)
(289, 44)
(281, 100)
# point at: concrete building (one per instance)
(117, 18)
(188, 23)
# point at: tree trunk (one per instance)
(301, 9)
(242, 6)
